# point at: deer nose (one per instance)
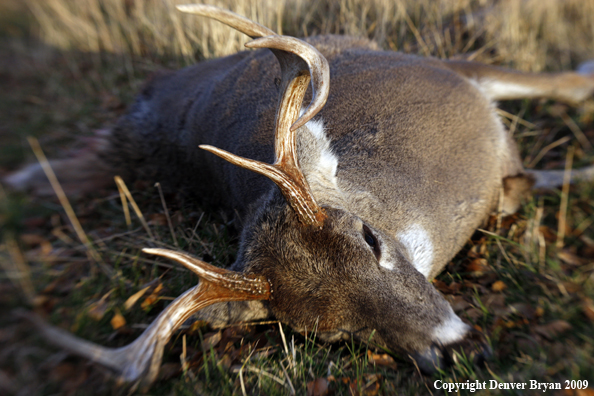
(474, 349)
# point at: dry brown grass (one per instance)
(528, 34)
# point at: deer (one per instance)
(370, 188)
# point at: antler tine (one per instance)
(227, 17)
(140, 360)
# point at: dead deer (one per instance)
(368, 201)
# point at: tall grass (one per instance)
(524, 33)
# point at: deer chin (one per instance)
(473, 349)
(453, 342)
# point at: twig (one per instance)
(124, 206)
(82, 236)
(579, 135)
(564, 199)
(158, 185)
(124, 188)
(546, 149)
(21, 273)
(288, 379)
(266, 374)
(280, 327)
(515, 118)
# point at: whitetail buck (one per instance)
(369, 200)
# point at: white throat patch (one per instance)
(318, 162)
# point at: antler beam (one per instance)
(141, 360)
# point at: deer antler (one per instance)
(141, 359)
(300, 63)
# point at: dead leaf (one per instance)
(458, 303)
(442, 286)
(473, 313)
(496, 304)
(523, 309)
(118, 320)
(134, 297)
(97, 309)
(152, 298)
(383, 360)
(211, 340)
(570, 258)
(572, 287)
(478, 267)
(552, 329)
(157, 219)
(368, 386)
(498, 286)
(317, 387)
(549, 235)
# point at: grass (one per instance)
(68, 67)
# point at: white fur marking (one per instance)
(327, 162)
(451, 330)
(420, 248)
(386, 261)
(495, 89)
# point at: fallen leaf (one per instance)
(572, 287)
(570, 258)
(134, 297)
(118, 320)
(498, 286)
(478, 267)
(369, 386)
(317, 387)
(458, 303)
(523, 309)
(98, 309)
(496, 304)
(549, 235)
(211, 340)
(157, 219)
(383, 360)
(473, 313)
(152, 298)
(552, 329)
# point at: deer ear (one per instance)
(226, 313)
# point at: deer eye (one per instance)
(372, 241)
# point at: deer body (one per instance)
(367, 152)
(402, 164)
